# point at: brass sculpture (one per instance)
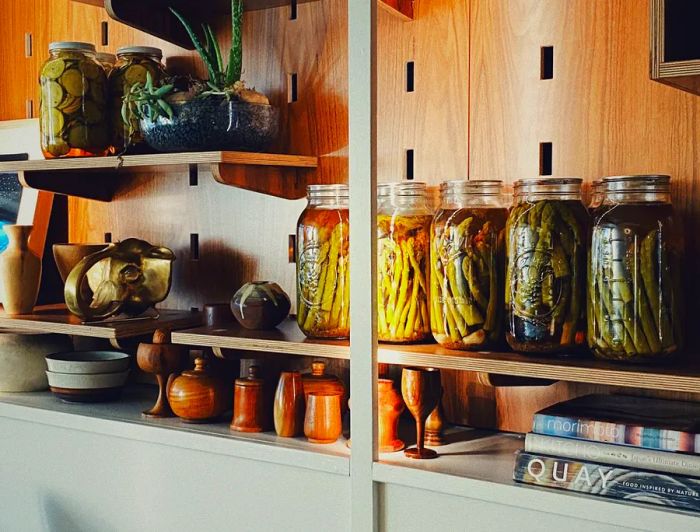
(128, 278)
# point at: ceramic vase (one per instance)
(260, 305)
(322, 422)
(20, 271)
(390, 407)
(288, 409)
(22, 359)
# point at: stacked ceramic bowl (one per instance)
(87, 376)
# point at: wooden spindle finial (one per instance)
(253, 372)
(318, 367)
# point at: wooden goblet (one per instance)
(435, 425)
(421, 390)
(164, 360)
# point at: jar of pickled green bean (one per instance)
(634, 279)
(323, 263)
(134, 63)
(467, 254)
(403, 259)
(546, 240)
(73, 111)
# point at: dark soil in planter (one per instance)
(213, 123)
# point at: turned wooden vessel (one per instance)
(435, 426)
(323, 422)
(164, 360)
(421, 390)
(390, 405)
(289, 407)
(20, 271)
(197, 396)
(249, 403)
(320, 381)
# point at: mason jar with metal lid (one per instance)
(107, 61)
(596, 195)
(73, 110)
(133, 65)
(546, 238)
(403, 255)
(323, 263)
(635, 310)
(467, 265)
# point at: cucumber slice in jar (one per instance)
(52, 122)
(58, 148)
(78, 136)
(53, 94)
(74, 82)
(53, 69)
(89, 69)
(135, 74)
(98, 91)
(92, 112)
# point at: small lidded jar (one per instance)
(546, 238)
(403, 260)
(634, 280)
(323, 263)
(133, 65)
(467, 265)
(73, 111)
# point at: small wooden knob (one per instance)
(200, 364)
(318, 368)
(161, 336)
(253, 372)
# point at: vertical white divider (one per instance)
(362, 113)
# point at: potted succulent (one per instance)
(184, 113)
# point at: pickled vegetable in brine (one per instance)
(402, 282)
(323, 273)
(546, 275)
(634, 283)
(467, 256)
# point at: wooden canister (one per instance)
(289, 405)
(249, 403)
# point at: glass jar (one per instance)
(133, 64)
(634, 277)
(73, 111)
(596, 196)
(546, 237)
(403, 255)
(107, 61)
(323, 263)
(467, 265)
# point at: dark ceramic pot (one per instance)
(260, 305)
(213, 123)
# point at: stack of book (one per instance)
(633, 448)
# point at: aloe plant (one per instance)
(221, 79)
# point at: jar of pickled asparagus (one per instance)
(467, 252)
(403, 259)
(323, 263)
(546, 239)
(133, 65)
(635, 310)
(73, 111)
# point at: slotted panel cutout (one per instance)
(410, 76)
(409, 164)
(547, 62)
(545, 158)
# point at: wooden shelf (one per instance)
(681, 376)
(152, 16)
(56, 319)
(400, 8)
(99, 178)
(287, 339)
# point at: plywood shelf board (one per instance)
(56, 319)
(98, 178)
(123, 419)
(287, 339)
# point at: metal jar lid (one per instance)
(72, 45)
(480, 187)
(328, 191)
(142, 50)
(402, 188)
(636, 183)
(548, 185)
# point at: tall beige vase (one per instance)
(20, 271)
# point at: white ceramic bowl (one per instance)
(83, 381)
(88, 362)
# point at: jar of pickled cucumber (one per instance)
(403, 260)
(634, 280)
(467, 252)
(133, 65)
(73, 112)
(546, 239)
(107, 61)
(323, 263)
